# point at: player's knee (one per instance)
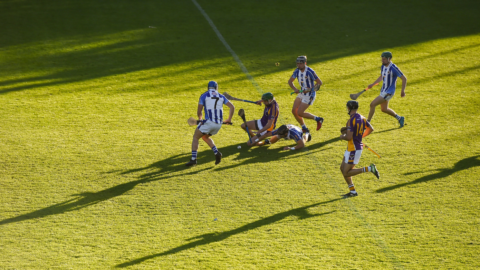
(384, 110)
(243, 126)
(295, 111)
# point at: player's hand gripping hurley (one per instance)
(315, 88)
(355, 96)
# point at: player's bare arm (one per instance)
(267, 126)
(378, 80)
(290, 82)
(230, 114)
(300, 145)
(367, 132)
(404, 85)
(347, 136)
(199, 111)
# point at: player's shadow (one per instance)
(387, 130)
(161, 170)
(265, 154)
(205, 239)
(461, 165)
(318, 145)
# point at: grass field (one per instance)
(93, 136)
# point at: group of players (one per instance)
(357, 127)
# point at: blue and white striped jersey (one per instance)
(390, 74)
(306, 79)
(212, 102)
(294, 133)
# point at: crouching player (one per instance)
(357, 128)
(212, 102)
(288, 132)
(268, 121)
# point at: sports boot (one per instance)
(218, 158)
(192, 162)
(350, 194)
(375, 171)
(319, 123)
(401, 121)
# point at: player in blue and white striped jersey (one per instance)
(305, 96)
(212, 102)
(288, 132)
(389, 74)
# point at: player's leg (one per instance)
(213, 129)
(301, 112)
(348, 179)
(272, 140)
(387, 110)
(196, 136)
(218, 156)
(296, 104)
(252, 125)
(377, 101)
(261, 142)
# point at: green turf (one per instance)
(93, 136)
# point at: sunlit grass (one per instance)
(93, 138)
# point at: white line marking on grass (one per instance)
(235, 56)
(381, 243)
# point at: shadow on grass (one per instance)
(205, 239)
(165, 169)
(265, 154)
(463, 164)
(85, 199)
(161, 170)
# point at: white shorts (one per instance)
(306, 98)
(352, 157)
(209, 127)
(260, 126)
(387, 96)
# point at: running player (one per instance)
(289, 132)
(212, 102)
(357, 128)
(306, 78)
(267, 122)
(389, 74)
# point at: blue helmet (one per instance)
(213, 84)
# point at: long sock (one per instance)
(194, 155)
(304, 127)
(352, 188)
(215, 150)
(367, 169)
(398, 117)
(317, 118)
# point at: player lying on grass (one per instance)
(212, 102)
(357, 128)
(268, 121)
(288, 132)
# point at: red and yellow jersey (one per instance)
(357, 124)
